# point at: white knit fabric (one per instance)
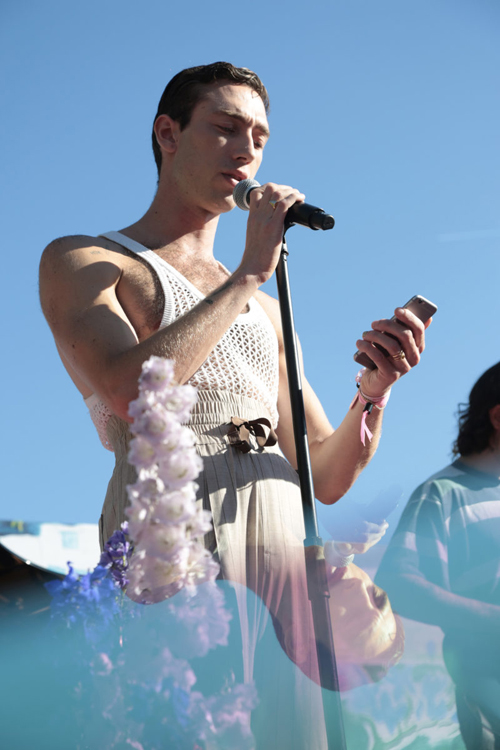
(244, 362)
(100, 414)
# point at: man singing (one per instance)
(155, 288)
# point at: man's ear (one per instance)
(495, 417)
(167, 133)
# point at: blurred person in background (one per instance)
(442, 564)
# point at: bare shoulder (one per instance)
(73, 271)
(72, 251)
(77, 259)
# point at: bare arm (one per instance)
(338, 456)
(97, 338)
(79, 294)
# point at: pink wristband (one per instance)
(368, 402)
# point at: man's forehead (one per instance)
(235, 100)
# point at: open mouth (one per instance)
(233, 177)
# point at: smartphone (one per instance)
(420, 307)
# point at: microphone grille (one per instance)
(242, 191)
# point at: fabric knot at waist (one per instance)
(211, 419)
(242, 431)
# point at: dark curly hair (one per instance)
(185, 90)
(475, 428)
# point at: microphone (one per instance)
(300, 213)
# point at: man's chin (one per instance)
(220, 202)
(226, 204)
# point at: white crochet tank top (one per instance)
(244, 362)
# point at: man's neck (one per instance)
(487, 461)
(170, 224)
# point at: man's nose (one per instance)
(246, 148)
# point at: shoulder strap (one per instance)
(152, 259)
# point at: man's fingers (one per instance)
(273, 197)
(413, 323)
(282, 205)
(410, 335)
(268, 206)
(390, 344)
(404, 343)
(387, 364)
(403, 346)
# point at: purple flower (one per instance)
(156, 424)
(177, 506)
(89, 601)
(144, 401)
(200, 523)
(201, 566)
(141, 453)
(157, 374)
(178, 438)
(179, 399)
(116, 555)
(164, 521)
(152, 579)
(165, 541)
(180, 467)
(148, 489)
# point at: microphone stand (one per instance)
(317, 583)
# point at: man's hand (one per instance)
(268, 207)
(405, 345)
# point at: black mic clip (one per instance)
(311, 216)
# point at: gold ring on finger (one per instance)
(399, 356)
(273, 204)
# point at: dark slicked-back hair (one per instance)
(475, 428)
(186, 88)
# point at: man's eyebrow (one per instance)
(243, 118)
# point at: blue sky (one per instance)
(386, 114)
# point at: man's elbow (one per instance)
(328, 494)
(330, 486)
(117, 398)
(332, 478)
(121, 410)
